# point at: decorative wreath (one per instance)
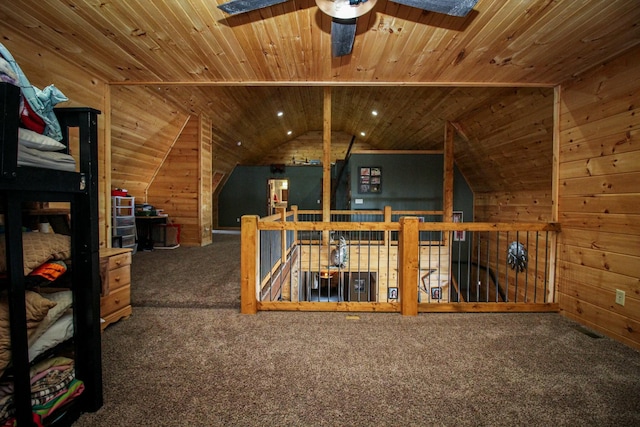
(517, 256)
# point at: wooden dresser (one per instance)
(115, 272)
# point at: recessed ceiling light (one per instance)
(239, 143)
(289, 132)
(362, 133)
(374, 113)
(280, 114)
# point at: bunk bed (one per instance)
(23, 183)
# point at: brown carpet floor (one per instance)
(186, 357)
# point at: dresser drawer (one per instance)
(115, 301)
(120, 260)
(116, 279)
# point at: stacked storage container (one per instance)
(123, 222)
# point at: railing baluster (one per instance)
(468, 236)
(450, 287)
(269, 246)
(506, 269)
(369, 268)
(526, 276)
(309, 278)
(546, 263)
(488, 264)
(517, 269)
(477, 284)
(535, 279)
(497, 265)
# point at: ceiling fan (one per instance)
(344, 14)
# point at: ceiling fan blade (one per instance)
(448, 7)
(240, 6)
(343, 33)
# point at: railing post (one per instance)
(249, 259)
(387, 219)
(294, 218)
(283, 237)
(553, 247)
(408, 251)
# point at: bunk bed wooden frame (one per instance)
(29, 184)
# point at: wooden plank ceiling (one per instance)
(491, 72)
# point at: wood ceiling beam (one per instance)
(329, 83)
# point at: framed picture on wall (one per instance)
(370, 179)
(458, 236)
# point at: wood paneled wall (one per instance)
(524, 206)
(506, 144)
(599, 198)
(177, 188)
(144, 128)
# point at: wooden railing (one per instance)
(288, 262)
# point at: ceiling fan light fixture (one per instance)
(345, 9)
(344, 14)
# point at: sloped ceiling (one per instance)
(535, 41)
(491, 72)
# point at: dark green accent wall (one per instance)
(409, 182)
(245, 192)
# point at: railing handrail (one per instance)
(369, 212)
(280, 219)
(395, 226)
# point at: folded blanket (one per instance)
(6, 73)
(45, 159)
(53, 383)
(38, 104)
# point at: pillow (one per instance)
(38, 248)
(63, 301)
(60, 331)
(37, 306)
(37, 309)
(32, 139)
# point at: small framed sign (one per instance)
(458, 236)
